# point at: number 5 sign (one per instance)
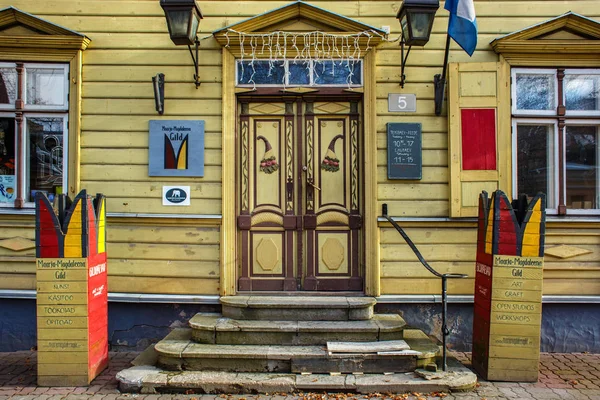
(402, 102)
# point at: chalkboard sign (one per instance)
(404, 151)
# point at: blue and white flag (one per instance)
(462, 26)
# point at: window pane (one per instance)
(536, 92)
(8, 181)
(45, 158)
(8, 86)
(261, 72)
(299, 73)
(535, 161)
(582, 92)
(46, 86)
(338, 72)
(581, 150)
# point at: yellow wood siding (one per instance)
(453, 249)
(145, 256)
(130, 44)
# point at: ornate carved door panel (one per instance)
(332, 220)
(299, 219)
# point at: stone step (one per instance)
(152, 380)
(298, 308)
(213, 328)
(187, 355)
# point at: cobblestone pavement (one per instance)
(562, 376)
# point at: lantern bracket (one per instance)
(403, 61)
(195, 60)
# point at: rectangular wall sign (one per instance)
(176, 148)
(402, 102)
(176, 196)
(404, 159)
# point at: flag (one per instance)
(462, 26)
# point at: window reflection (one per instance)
(339, 72)
(45, 86)
(45, 137)
(8, 86)
(581, 150)
(300, 72)
(535, 92)
(8, 184)
(261, 72)
(535, 161)
(582, 92)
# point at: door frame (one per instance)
(228, 249)
(298, 110)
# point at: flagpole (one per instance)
(439, 81)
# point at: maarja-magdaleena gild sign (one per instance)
(176, 148)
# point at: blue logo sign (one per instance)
(176, 195)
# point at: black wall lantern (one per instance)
(183, 18)
(416, 19)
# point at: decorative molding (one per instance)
(564, 251)
(289, 130)
(45, 42)
(310, 205)
(371, 205)
(17, 244)
(572, 22)
(229, 200)
(299, 90)
(354, 180)
(44, 34)
(245, 165)
(298, 10)
(533, 47)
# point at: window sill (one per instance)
(27, 210)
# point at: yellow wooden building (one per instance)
(77, 92)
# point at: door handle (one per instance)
(290, 188)
(309, 181)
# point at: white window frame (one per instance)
(553, 149)
(574, 71)
(62, 107)
(360, 65)
(513, 90)
(584, 122)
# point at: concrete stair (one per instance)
(216, 329)
(298, 308)
(280, 340)
(179, 353)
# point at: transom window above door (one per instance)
(556, 137)
(299, 73)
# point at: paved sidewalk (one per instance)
(562, 376)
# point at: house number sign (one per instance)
(402, 102)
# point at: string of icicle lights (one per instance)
(307, 47)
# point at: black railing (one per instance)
(443, 277)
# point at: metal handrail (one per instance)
(443, 277)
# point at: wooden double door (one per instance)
(299, 221)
